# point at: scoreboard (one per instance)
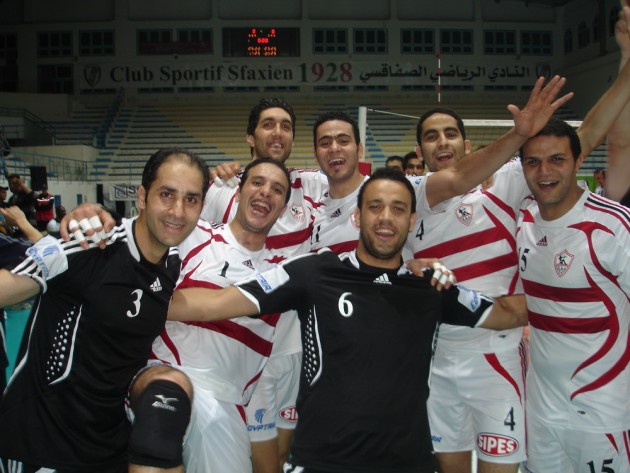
(261, 42)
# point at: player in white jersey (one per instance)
(338, 150)
(225, 359)
(474, 235)
(271, 411)
(574, 249)
(343, 319)
(477, 378)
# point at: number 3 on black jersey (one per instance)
(136, 303)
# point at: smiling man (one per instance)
(91, 330)
(574, 248)
(224, 359)
(367, 343)
(477, 391)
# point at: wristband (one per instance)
(48, 254)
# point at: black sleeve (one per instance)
(463, 306)
(12, 251)
(283, 287)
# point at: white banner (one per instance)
(333, 73)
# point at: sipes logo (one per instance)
(497, 445)
(290, 414)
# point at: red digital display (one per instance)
(261, 42)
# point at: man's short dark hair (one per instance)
(336, 115)
(264, 104)
(445, 111)
(161, 156)
(394, 158)
(409, 156)
(13, 176)
(390, 174)
(560, 128)
(267, 160)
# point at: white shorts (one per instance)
(216, 440)
(476, 403)
(272, 405)
(556, 450)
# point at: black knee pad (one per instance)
(161, 416)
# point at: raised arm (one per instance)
(204, 304)
(474, 168)
(15, 216)
(618, 175)
(225, 173)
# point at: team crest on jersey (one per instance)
(562, 262)
(353, 220)
(464, 214)
(297, 212)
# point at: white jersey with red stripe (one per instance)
(577, 284)
(292, 230)
(290, 233)
(224, 357)
(473, 234)
(334, 225)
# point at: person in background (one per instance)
(53, 227)
(600, 179)
(394, 162)
(413, 165)
(23, 196)
(44, 208)
(3, 196)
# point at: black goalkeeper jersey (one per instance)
(367, 335)
(88, 335)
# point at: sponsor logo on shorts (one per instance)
(497, 445)
(259, 415)
(289, 414)
(257, 428)
(436, 438)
